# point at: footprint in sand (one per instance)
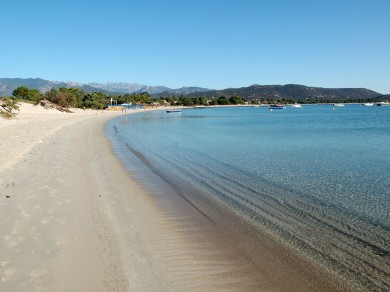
(36, 275)
(35, 235)
(4, 264)
(30, 197)
(10, 240)
(60, 243)
(23, 211)
(4, 273)
(38, 208)
(25, 214)
(7, 274)
(60, 221)
(46, 220)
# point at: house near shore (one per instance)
(127, 106)
(152, 105)
(114, 107)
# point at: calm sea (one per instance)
(314, 178)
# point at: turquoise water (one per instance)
(316, 179)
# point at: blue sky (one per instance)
(214, 44)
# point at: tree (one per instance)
(186, 101)
(212, 102)
(202, 100)
(73, 97)
(236, 100)
(21, 92)
(28, 94)
(222, 101)
(34, 95)
(140, 98)
(56, 96)
(95, 100)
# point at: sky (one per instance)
(215, 44)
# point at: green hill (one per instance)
(293, 92)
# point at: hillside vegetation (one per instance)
(67, 97)
(294, 93)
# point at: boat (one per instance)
(338, 104)
(275, 106)
(368, 104)
(383, 103)
(296, 105)
(173, 110)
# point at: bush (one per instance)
(8, 106)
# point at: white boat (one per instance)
(296, 105)
(383, 103)
(368, 104)
(338, 104)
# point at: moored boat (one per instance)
(368, 104)
(296, 105)
(275, 106)
(383, 103)
(338, 104)
(173, 110)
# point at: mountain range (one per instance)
(289, 91)
(8, 85)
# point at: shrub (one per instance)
(8, 107)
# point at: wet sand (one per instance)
(74, 219)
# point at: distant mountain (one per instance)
(7, 86)
(122, 87)
(290, 91)
(181, 91)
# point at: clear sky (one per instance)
(208, 43)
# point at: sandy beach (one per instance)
(50, 223)
(74, 219)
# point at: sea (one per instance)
(315, 178)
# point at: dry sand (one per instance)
(73, 219)
(51, 224)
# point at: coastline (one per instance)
(74, 219)
(273, 266)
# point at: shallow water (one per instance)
(316, 179)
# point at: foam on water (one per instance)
(316, 179)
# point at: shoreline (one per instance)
(274, 266)
(74, 218)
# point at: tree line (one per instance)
(78, 98)
(65, 97)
